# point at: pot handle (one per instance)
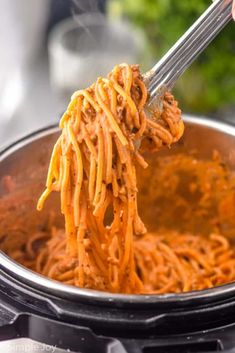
(58, 335)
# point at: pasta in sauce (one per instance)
(94, 166)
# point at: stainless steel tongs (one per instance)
(165, 73)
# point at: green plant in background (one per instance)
(209, 84)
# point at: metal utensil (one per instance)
(165, 73)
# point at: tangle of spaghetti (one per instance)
(93, 166)
(174, 262)
(188, 205)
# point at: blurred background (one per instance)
(49, 48)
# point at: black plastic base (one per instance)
(86, 328)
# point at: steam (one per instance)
(92, 45)
(87, 6)
(89, 14)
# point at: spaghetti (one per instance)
(166, 262)
(93, 166)
(175, 262)
(190, 217)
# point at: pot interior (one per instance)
(166, 199)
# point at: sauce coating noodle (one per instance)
(95, 165)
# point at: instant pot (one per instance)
(38, 309)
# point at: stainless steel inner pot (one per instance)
(27, 161)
